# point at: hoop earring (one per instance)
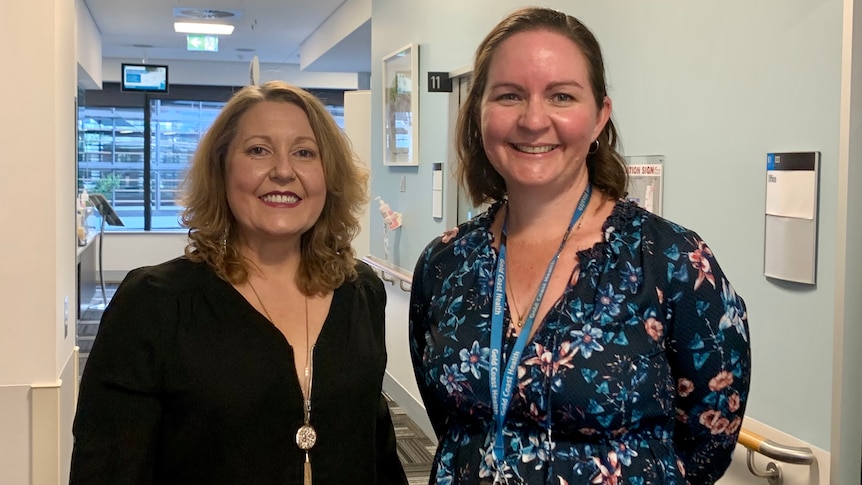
(593, 150)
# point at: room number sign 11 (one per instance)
(439, 82)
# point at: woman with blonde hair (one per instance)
(258, 356)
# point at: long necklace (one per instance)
(520, 321)
(306, 436)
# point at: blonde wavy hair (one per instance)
(327, 256)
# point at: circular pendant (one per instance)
(306, 437)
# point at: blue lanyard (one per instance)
(501, 391)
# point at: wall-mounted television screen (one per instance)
(145, 78)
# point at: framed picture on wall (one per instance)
(401, 106)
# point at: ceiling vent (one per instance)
(205, 14)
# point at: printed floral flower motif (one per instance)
(486, 467)
(449, 235)
(534, 449)
(720, 381)
(734, 425)
(475, 359)
(444, 472)
(672, 252)
(444, 476)
(452, 379)
(506, 471)
(699, 259)
(733, 402)
(626, 395)
(544, 358)
(624, 453)
(529, 385)
(610, 470)
(714, 421)
(631, 278)
(654, 328)
(608, 302)
(734, 314)
(680, 466)
(587, 340)
(684, 387)
(462, 247)
(565, 353)
(577, 310)
(485, 281)
(535, 411)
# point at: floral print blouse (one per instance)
(638, 375)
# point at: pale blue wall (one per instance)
(713, 87)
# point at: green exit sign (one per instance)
(198, 42)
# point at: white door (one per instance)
(357, 126)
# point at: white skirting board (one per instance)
(16, 439)
(52, 411)
(415, 410)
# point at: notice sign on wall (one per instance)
(645, 181)
(790, 250)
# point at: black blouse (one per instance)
(188, 384)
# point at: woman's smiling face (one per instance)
(275, 181)
(538, 113)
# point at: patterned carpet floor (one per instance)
(415, 450)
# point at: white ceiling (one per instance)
(274, 30)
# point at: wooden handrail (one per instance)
(750, 439)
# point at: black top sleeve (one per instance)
(119, 408)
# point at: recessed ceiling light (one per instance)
(202, 28)
(206, 13)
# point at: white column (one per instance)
(37, 261)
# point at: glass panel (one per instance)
(110, 161)
(178, 127)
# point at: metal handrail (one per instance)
(770, 449)
(390, 272)
(783, 453)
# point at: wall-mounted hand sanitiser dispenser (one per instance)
(790, 245)
(437, 190)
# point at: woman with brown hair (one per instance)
(566, 336)
(257, 357)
